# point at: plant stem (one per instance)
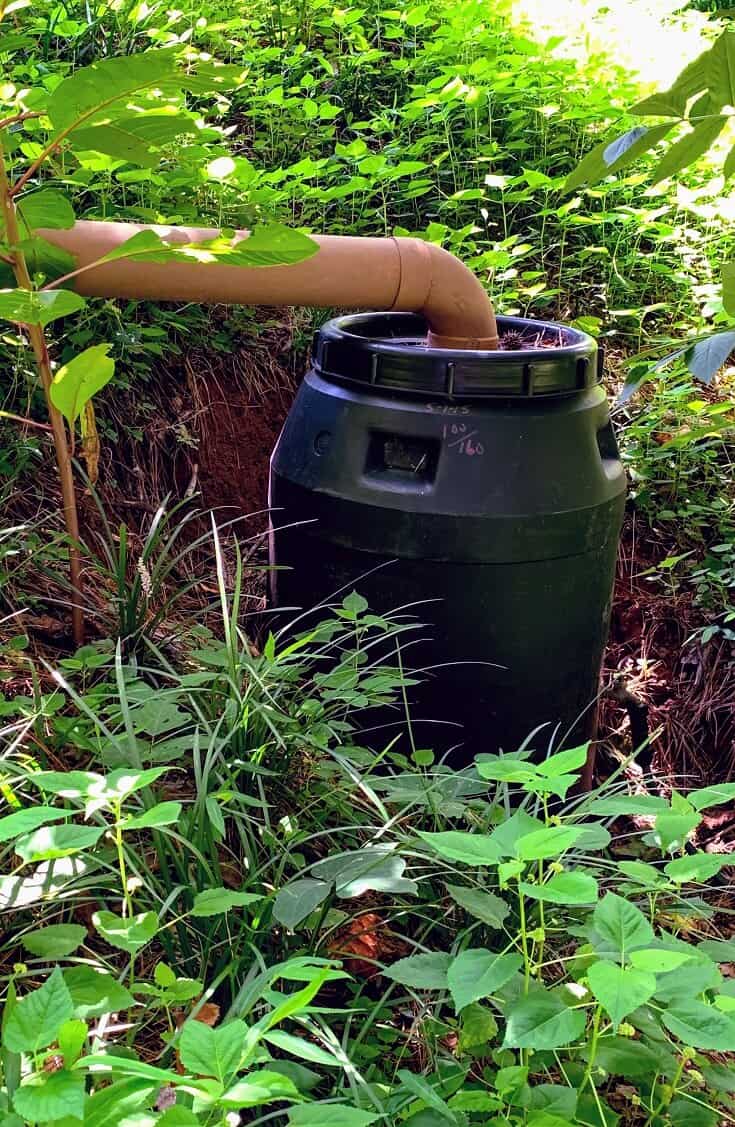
(594, 1037)
(37, 338)
(524, 939)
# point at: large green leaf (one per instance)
(484, 906)
(35, 1020)
(217, 901)
(135, 138)
(626, 804)
(478, 973)
(49, 842)
(36, 307)
(659, 960)
(162, 814)
(704, 360)
(76, 382)
(689, 148)
(456, 845)
(24, 821)
(720, 793)
(54, 941)
(700, 1025)
(551, 841)
(212, 1052)
(610, 157)
(301, 1048)
(623, 1057)
(696, 866)
(93, 89)
(261, 1087)
(270, 244)
(540, 1020)
(564, 888)
(728, 300)
(115, 141)
(127, 934)
(330, 1115)
(96, 992)
(374, 868)
(298, 900)
(69, 784)
(47, 1097)
(621, 924)
(47, 207)
(421, 972)
(620, 990)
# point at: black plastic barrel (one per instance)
(485, 486)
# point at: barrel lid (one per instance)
(389, 352)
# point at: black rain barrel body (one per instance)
(485, 487)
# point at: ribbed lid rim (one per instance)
(388, 352)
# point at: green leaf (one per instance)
(620, 990)
(696, 867)
(49, 842)
(24, 821)
(47, 207)
(178, 1116)
(455, 845)
(478, 973)
(374, 868)
(551, 841)
(298, 900)
(268, 245)
(421, 972)
(689, 148)
(610, 157)
(162, 814)
(564, 762)
(627, 804)
(564, 888)
(35, 1020)
(700, 1025)
(262, 1087)
(96, 992)
(75, 383)
(94, 88)
(115, 142)
(301, 1048)
(671, 831)
(212, 1052)
(659, 960)
(35, 307)
(704, 360)
(722, 792)
(54, 941)
(484, 906)
(728, 168)
(540, 1020)
(72, 1037)
(728, 301)
(46, 1097)
(622, 924)
(330, 1115)
(126, 934)
(478, 1027)
(691, 1112)
(217, 901)
(68, 784)
(621, 1056)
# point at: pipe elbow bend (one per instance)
(459, 311)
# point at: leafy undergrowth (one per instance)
(225, 909)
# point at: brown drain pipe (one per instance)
(407, 275)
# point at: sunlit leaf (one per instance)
(75, 383)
